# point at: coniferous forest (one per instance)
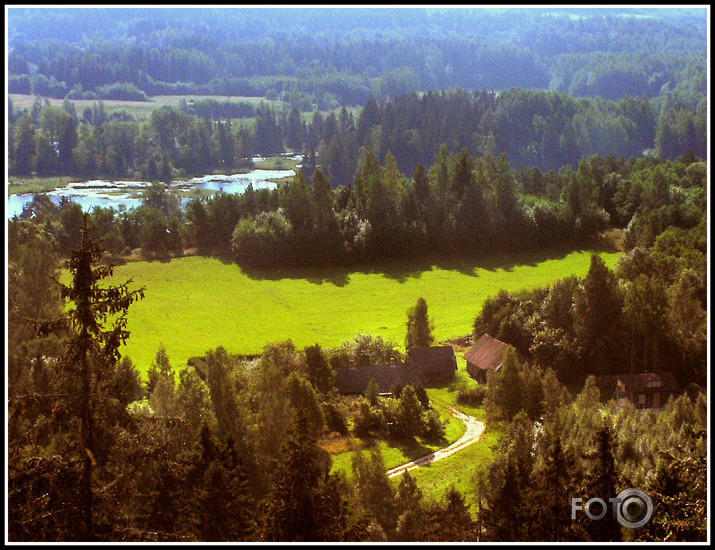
(457, 136)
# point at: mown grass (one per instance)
(456, 471)
(194, 304)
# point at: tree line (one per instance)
(536, 129)
(652, 308)
(461, 205)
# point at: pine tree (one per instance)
(410, 524)
(503, 502)
(319, 371)
(505, 393)
(463, 178)
(599, 318)
(294, 511)
(375, 491)
(550, 506)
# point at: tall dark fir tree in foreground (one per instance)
(97, 324)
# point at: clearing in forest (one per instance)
(194, 304)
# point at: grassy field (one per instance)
(142, 110)
(20, 186)
(194, 304)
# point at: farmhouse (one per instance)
(644, 390)
(428, 365)
(486, 354)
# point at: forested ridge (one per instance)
(325, 58)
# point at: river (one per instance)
(89, 194)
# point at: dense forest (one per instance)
(327, 58)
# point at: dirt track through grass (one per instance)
(475, 429)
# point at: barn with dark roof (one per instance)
(432, 365)
(354, 380)
(426, 365)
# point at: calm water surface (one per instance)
(89, 194)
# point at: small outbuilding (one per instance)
(485, 355)
(431, 365)
(646, 390)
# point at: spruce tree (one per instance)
(298, 487)
(550, 516)
(603, 484)
(98, 327)
(419, 329)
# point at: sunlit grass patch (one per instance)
(194, 304)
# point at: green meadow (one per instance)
(194, 304)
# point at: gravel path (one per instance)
(475, 428)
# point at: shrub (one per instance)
(367, 420)
(472, 398)
(335, 418)
(432, 426)
(122, 90)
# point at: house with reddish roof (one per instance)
(485, 355)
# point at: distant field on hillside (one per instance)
(142, 109)
(194, 304)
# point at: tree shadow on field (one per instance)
(412, 448)
(402, 270)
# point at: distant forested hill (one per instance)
(325, 58)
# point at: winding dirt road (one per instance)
(475, 428)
